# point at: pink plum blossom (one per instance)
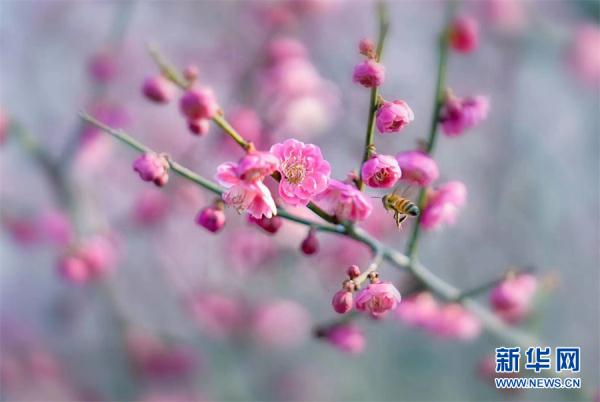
(345, 201)
(158, 89)
(443, 205)
(378, 298)
(511, 299)
(199, 103)
(369, 74)
(391, 117)
(381, 171)
(152, 167)
(304, 172)
(56, 227)
(461, 114)
(464, 34)
(348, 338)
(342, 301)
(191, 72)
(417, 167)
(245, 189)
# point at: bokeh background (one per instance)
(188, 315)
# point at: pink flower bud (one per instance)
(199, 103)
(464, 34)
(353, 271)
(199, 127)
(369, 74)
(417, 168)
(381, 171)
(158, 89)
(269, 225)
(99, 255)
(342, 301)
(212, 218)
(191, 73)
(310, 245)
(152, 167)
(366, 47)
(393, 116)
(347, 337)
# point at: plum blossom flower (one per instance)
(369, 74)
(304, 172)
(443, 205)
(511, 299)
(345, 201)
(152, 167)
(199, 103)
(244, 181)
(378, 298)
(348, 338)
(381, 171)
(93, 259)
(461, 114)
(464, 34)
(417, 168)
(391, 117)
(269, 225)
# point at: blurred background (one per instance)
(175, 313)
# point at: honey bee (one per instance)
(402, 207)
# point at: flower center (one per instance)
(294, 171)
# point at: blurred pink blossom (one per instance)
(150, 206)
(348, 338)
(418, 310)
(583, 54)
(217, 314)
(345, 201)
(464, 34)
(443, 205)
(417, 167)
(461, 114)
(455, 322)
(158, 89)
(281, 324)
(511, 299)
(199, 103)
